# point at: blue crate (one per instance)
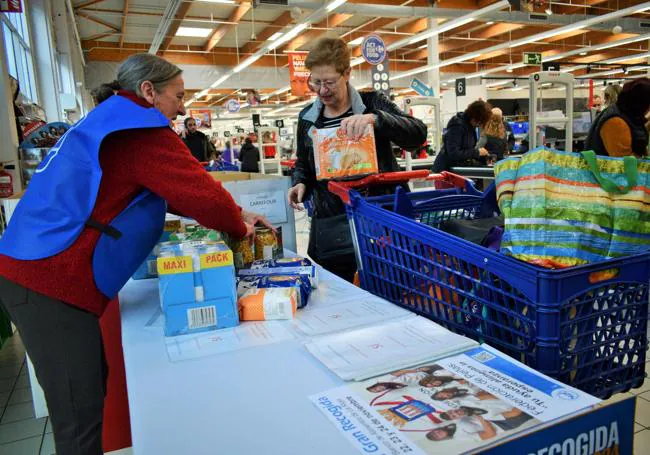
(577, 325)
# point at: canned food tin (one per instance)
(242, 252)
(266, 243)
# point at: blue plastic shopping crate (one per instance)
(585, 326)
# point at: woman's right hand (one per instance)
(296, 195)
(483, 151)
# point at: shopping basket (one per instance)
(585, 326)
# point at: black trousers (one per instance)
(65, 346)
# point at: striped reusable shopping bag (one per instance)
(563, 209)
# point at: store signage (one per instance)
(550, 66)
(607, 429)
(270, 204)
(11, 6)
(203, 117)
(421, 88)
(233, 106)
(373, 49)
(298, 74)
(279, 123)
(461, 87)
(532, 58)
(381, 78)
(226, 134)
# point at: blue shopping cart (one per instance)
(585, 326)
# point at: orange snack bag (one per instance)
(337, 156)
(268, 304)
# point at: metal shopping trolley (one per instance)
(585, 326)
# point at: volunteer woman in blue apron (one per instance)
(93, 211)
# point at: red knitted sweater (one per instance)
(131, 161)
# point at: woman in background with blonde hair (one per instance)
(493, 136)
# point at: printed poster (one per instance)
(298, 74)
(203, 117)
(43, 135)
(454, 405)
(338, 156)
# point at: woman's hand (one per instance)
(296, 195)
(356, 125)
(251, 218)
(483, 151)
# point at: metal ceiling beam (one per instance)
(279, 23)
(86, 4)
(220, 32)
(169, 24)
(125, 11)
(631, 25)
(97, 20)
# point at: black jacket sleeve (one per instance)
(454, 145)
(302, 171)
(402, 129)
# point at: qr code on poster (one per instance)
(483, 356)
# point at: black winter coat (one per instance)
(249, 155)
(392, 125)
(458, 144)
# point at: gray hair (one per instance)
(146, 67)
(611, 93)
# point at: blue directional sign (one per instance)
(421, 88)
(373, 49)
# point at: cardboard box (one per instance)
(265, 194)
(197, 288)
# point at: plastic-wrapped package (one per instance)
(268, 304)
(300, 282)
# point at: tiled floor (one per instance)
(20, 432)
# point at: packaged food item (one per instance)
(266, 244)
(268, 304)
(243, 251)
(337, 156)
(197, 286)
(283, 266)
(300, 282)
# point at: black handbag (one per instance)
(330, 238)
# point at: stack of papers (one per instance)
(367, 352)
(363, 311)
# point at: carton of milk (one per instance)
(197, 287)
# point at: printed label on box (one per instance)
(218, 259)
(176, 264)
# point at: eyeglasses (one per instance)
(315, 84)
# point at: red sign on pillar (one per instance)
(11, 6)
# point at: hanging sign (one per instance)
(421, 88)
(461, 87)
(11, 6)
(532, 58)
(298, 74)
(233, 106)
(381, 78)
(373, 49)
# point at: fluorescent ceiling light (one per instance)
(490, 23)
(583, 53)
(246, 63)
(549, 34)
(471, 76)
(356, 42)
(226, 2)
(194, 32)
(423, 46)
(331, 6)
(626, 58)
(202, 93)
(497, 84)
(219, 81)
(289, 35)
(449, 25)
(275, 36)
(509, 70)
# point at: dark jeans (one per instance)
(65, 345)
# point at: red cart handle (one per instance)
(342, 188)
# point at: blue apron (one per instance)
(61, 196)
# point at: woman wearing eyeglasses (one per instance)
(339, 105)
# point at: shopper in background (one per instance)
(620, 129)
(459, 141)
(596, 107)
(198, 143)
(91, 214)
(493, 136)
(249, 156)
(611, 94)
(228, 154)
(104, 91)
(339, 105)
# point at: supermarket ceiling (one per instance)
(476, 37)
